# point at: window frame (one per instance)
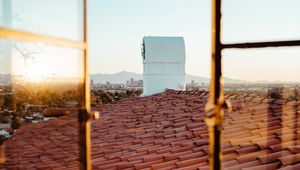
(216, 104)
(84, 114)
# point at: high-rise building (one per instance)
(92, 83)
(131, 81)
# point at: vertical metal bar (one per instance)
(215, 105)
(84, 118)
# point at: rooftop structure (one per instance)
(165, 131)
(163, 64)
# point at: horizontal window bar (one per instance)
(262, 44)
(6, 33)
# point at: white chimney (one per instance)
(163, 63)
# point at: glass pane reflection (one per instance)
(263, 87)
(41, 91)
(260, 20)
(48, 17)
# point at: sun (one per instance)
(35, 75)
(53, 64)
(33, 71)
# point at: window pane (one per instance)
(50, 17)
(263, 88)
(41, 91)
(260, 20)
(142, 125)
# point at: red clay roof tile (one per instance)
(190, 162)
(230, 156)
(229, 163)
(163, 165)
(139, 166)
(164, 131)
(291, 167)
(231, 149)
(173, 156)
(252, 156)
(294, 149)
(193, 167)
(244, 165)
(290, 159)
(270, 166)
(272, 156)
(130, 164)
(191, 155)
(246, 150)
(152, 158)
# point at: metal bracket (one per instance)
(95, 115)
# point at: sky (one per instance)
(120, 26)
(116, 29)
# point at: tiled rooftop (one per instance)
(165, 131)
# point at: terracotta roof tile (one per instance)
(163, 165)
(263, 144)
(280, 146)
(244, 165)
(191, 155)
(243, 140)
(139, 166)
(291, 167)
(173, 156)
(191, 162)
(153, 158)
(246, 150)
(183, 149)
(252, 156)
(164, 131)
(130, 164)
(169, 167)
(231, 149)
(193, 167)
(230, 156)
(290, 159)
(270, 166)
(294, 149)
(230, 163)
(272, 156)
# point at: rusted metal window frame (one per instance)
(215, 106)
(84, 114)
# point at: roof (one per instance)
(165, 131)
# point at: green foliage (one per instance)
(102, 97)
(20, 102)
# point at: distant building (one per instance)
(163, 64)
(193, 83)
(140, 83)
(131, 81)
(92, 83)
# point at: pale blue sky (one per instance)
(117, 27)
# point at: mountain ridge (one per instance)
(123, 76)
